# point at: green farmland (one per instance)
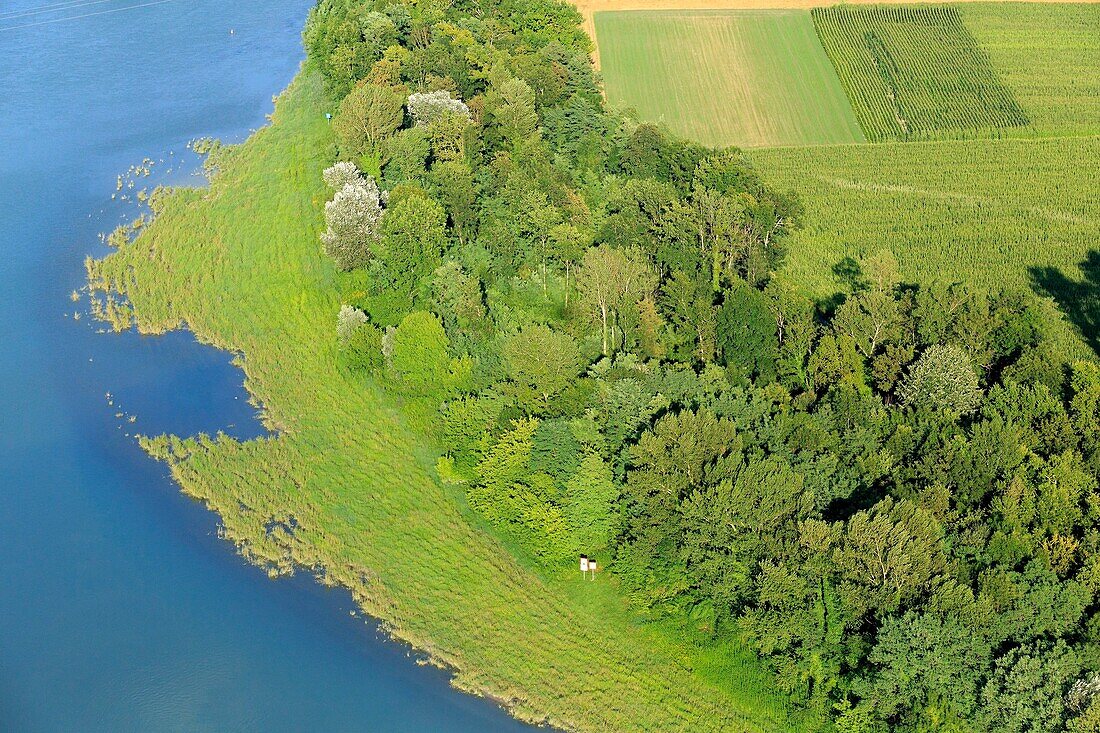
(747, 78)
(1048, 55)
(983, 212)
(992, 211)
(984, 117)
(915, 73)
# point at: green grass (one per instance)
(915, 73)
(746, 78)
(1048, 55)
(984, 212)
(347, 486)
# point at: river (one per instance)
(120, 608)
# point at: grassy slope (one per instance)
(348, 486)
(1049, 56)
(744, 78)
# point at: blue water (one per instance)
(120, 608)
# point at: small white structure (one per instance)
(584, 563)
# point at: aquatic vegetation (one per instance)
(356, 467)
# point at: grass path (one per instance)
(347, 487)
(738, 77)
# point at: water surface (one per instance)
(120, 608)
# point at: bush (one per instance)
(419, 359)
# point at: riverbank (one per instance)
(348, 489)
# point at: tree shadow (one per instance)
(1078, 299)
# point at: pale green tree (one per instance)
(419, 358)
(367, 117)
(609, 280)
(541, 360)
(941, 379)
(511, 103)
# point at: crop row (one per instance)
(915, 73)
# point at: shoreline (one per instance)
(370, 513)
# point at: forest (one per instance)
(891, 493)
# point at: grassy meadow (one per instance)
(346, 486)
(747, 78)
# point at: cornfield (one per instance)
(994, 213)
(915, 73)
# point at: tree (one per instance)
(406, 156)
(412, 240)
(360, 342)
(729, 527)
(538, 218)
(795, 332)
(426, 108)
(589, 503)
(518, 501)
(926, 663)
(941, 379)
(685, 452)
(448, 136)
(365, 120)
(568, 244)
(345, 39)
(341, 174)
(511, 104)
(610, 280)
(746, 331)
(418, 357)
(541, 360)
(872, 317)
(348, 321)
(889, 556)
(458, 299)
(352, 217)
(453, 184)
(718, 217)
(1026, 693)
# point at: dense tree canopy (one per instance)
(891, 495)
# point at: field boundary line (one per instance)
(589, 8)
